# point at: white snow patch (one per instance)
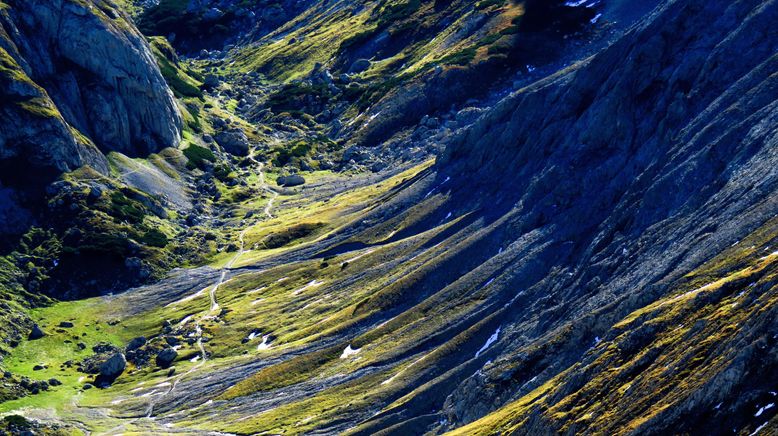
(264, 345)
(358, 256)
(489, 282)
(773, 254)
(195, 359)
(260, 289)
(255, 302)
(311, 284)
(762, 410)
(348, 352)
(596, 17)
(447, 217)
(282, 279)
(575, 4)
(390, 379)
(252, 335)
(597, 340)
(758, 429)
(492, 339)
(688, 294)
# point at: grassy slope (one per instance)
(91, 317)
(688, 340)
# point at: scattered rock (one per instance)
(210, 82)
(359, 65)
(135, 343)
(36, 332)
(66, 324)
(291, 180)
(166, 357)
(113, 367)
(234, 141)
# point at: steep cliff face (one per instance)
(75, 74)
(33, 128)
(641, 163)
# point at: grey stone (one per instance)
(166, 357)
(36, 332)
(359, 65)
(113, 367)
(291, 180)
(234, 141)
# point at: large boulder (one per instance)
(234, 141)
(166, 357)
(36, 332)
(359, 65)
(290, 180)
(113, 367)
(136, 343)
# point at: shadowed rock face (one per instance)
(638, 165)
(85, 67)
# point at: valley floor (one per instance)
(251, 309)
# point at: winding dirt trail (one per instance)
(265, 187)
(212, 294)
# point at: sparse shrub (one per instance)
(222, 172)
(154, 238)
(198, 155)
(279, 239)
(122, 208)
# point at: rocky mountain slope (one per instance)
(82, 72)
(593, 251)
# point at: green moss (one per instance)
(462, 57)
(40, 107)
(282, 238)
(154, 238)
(123, 208)
(182, 83)
(198, 155)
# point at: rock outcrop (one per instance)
(76, 77)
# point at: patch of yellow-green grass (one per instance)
(284, 60)
(332, 212)
(309, 302)
(306, 415)
(684, 340)
(91, 319)
(40, 107)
